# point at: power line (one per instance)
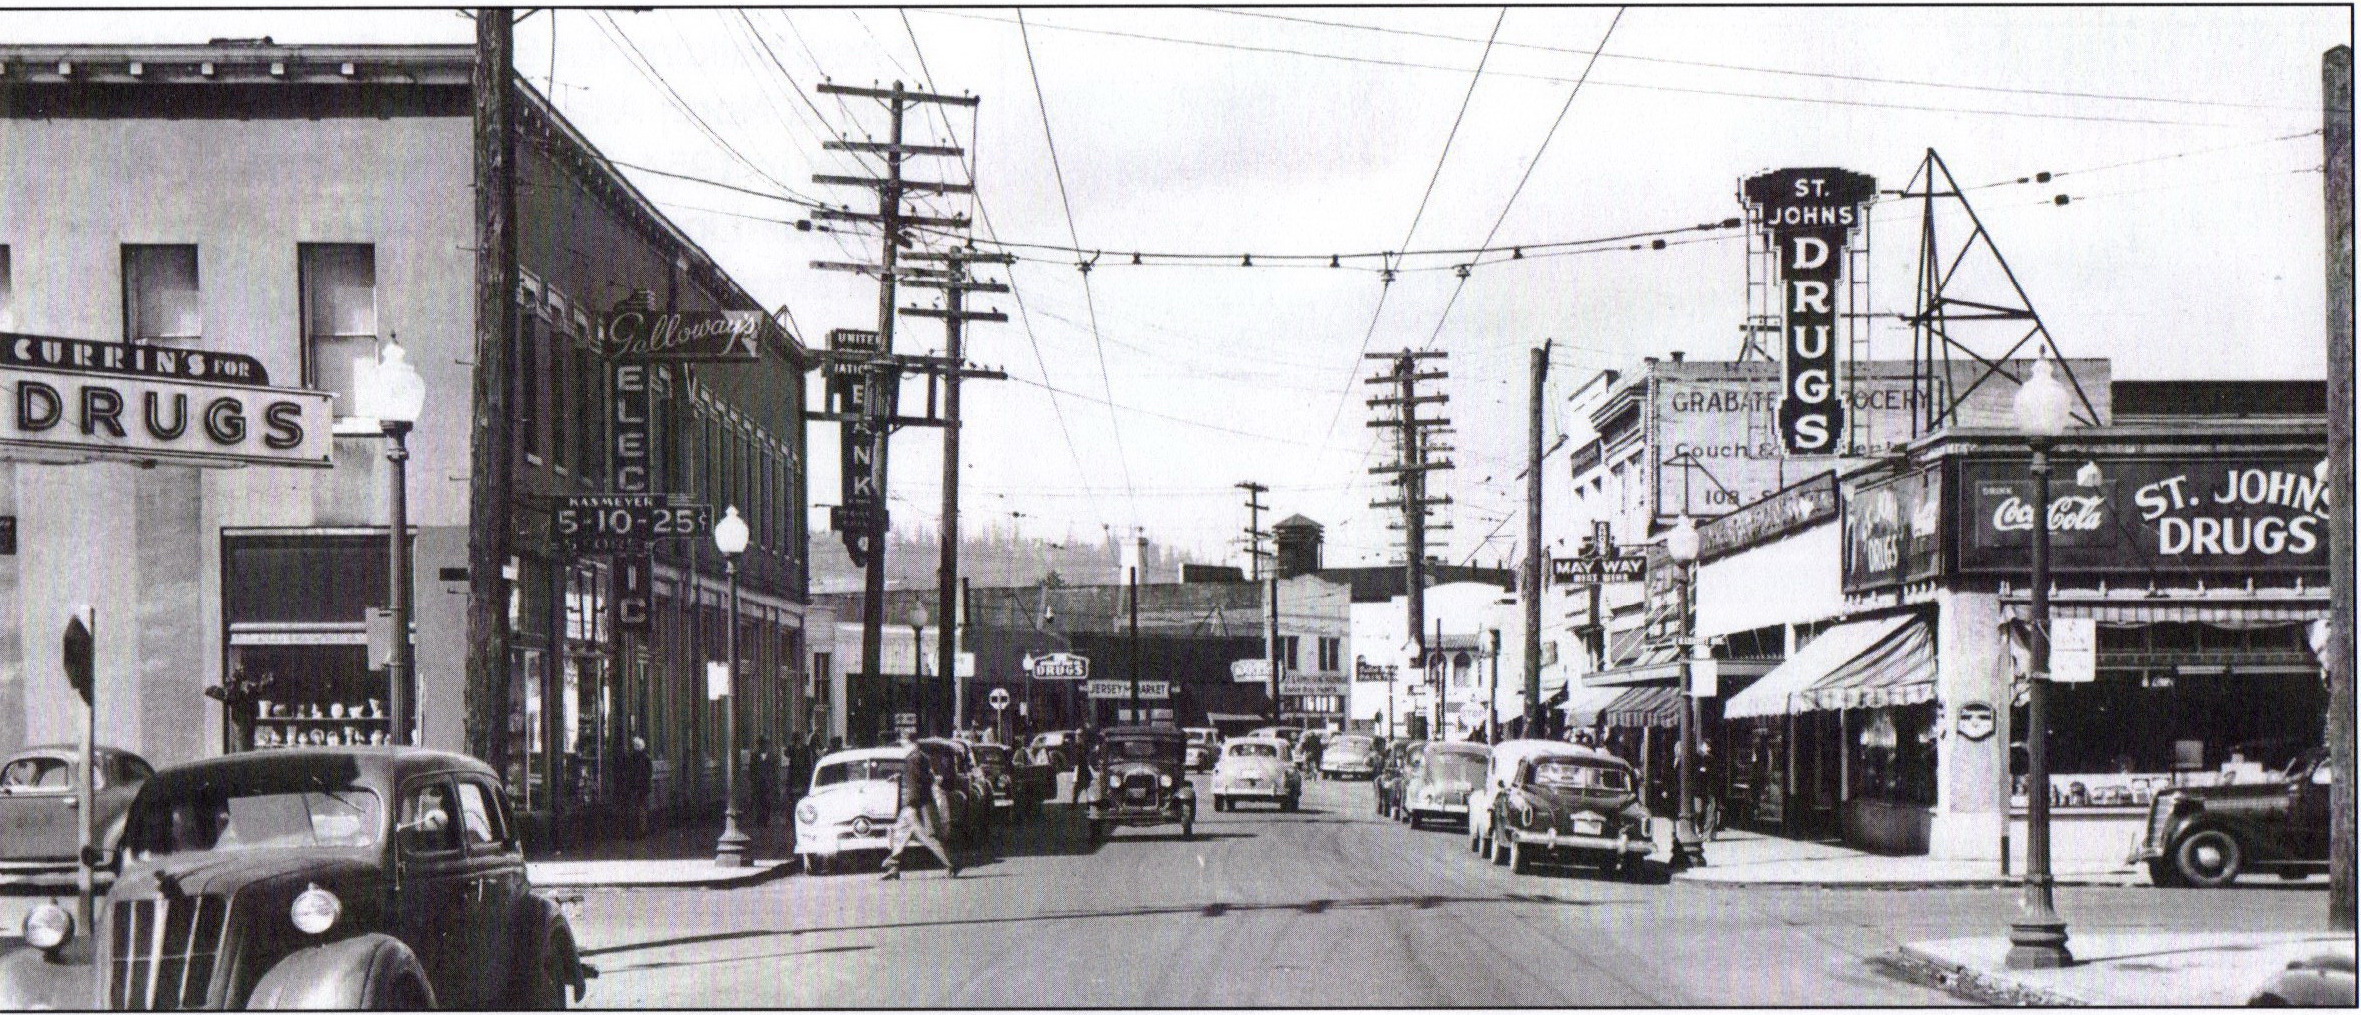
(1410, 234)
(1781, 71)
(647, 69)
(1553, 79)
(1057, 168)
(1530, 166)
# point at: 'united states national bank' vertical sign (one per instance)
(1809, 216)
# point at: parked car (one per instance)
(1437, 780)
(1497, 770)
(1054, 749)
(1140, 781)
(853, 800)
(2319, 981)
(2206, 836)
(1256, 768)
(1387, 785)
(1349, 756)
(338, 877)
(41, 805)
(1204, 746)
(1580, 805)
(967, 794)
(1010, 795)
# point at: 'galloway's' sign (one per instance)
(686, 336)
(127, 416)
(2214, 514)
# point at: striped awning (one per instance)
(2225, 611)
(1587, 706)
(1659, 705)
(1866, 664)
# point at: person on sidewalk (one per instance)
(917, 817)
(764, 781)
(1082, 748)
(635, 780)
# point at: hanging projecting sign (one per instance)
(1595, 570)
(127, 416)
(686, 336)
(1251, 671)
(1157, 690)
(1809, 216)
(627, 522)
(866, 393)
(1058, 666)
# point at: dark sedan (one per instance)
(2206, 836)
(41, 804)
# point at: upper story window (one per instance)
(532, 337)
(1331, 654)
(160, 293)
(339, 283)
(589, 412)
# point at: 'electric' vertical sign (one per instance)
(1808, 216)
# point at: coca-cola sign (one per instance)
(2149, 518)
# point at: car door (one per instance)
(496, 869)
(434, 902)
(41, 810)
(2307, 820)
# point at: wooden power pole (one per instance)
(1254, 532)
(2336, 76)
(1535, 575)
(1409, 470)
(490, 471)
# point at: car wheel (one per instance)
(408, 992)
(1098, 830)
(2163, 874)
(815, 865)
(1500, 849)
(2209, 857)
(1287, 804)
(1415, 821)
(1520, 859)
(1188, 828)
(542, 985)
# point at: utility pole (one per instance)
(1270, 642)
(1132, 579)
(955, 315)
(1409, 470)
(863, 518)
(1535, 575)
(490, 474)
(2336, 78)
(1254, 532)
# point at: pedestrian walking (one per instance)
(634, 780)
(763, 781)
(918, 817)
(1082, 748)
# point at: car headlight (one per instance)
(315, 910)
(1167, 781)
(48, 926)
(807, 813)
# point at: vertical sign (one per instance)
(1808, 216)
(864, 391)
(633, 472)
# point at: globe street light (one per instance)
(394, 394)
(729, 536)
(1688, 847)
(2037, 937)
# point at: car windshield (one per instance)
(1453, 766)
(1352, 745)
(857, 770)
(1200, 736)
(1142, 748)
(1254, 750)
(990, 754)
(1581, 775)
(214, 819)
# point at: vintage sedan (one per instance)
(1498, 770)
(41, 805)
(1438, 780)
(1580, 805)
(967, 796)
(1256, 768)
(855, 796)
(1141, 781)
(1350, 756)
(2205, 836)
(340, 877)
(1054, 749)
(1204, 746)
(1010, 795)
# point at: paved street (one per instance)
(1326, 906)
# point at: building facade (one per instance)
(306, 206)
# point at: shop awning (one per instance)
(1645, 706)
(1888, 661)
(1587, 706)
(1656, 664)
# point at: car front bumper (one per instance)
(1554, 841)
(843, 837)
(1261, 790)
(1437, 807)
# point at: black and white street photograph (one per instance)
(1419, 506)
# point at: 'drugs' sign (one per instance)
(2226, 515)
(1808, 215)
(69, 415)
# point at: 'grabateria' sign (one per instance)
(146, 403)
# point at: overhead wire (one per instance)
(1057, 168)
(647, 68)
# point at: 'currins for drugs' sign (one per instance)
(66, 415)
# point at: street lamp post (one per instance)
(919, 618)
(1688, 847)
(729, 536)
(2037, 937)
(395, 394)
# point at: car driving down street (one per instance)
(1256, 768)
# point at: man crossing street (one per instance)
(917, 817)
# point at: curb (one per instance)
(755, 877)
(1896, 886)
(1911, 965)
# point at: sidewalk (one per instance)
(2123, 970)
(1751, 858)
(679, 857)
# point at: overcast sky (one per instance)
(2185, 139)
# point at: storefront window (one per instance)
(1894, 754)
